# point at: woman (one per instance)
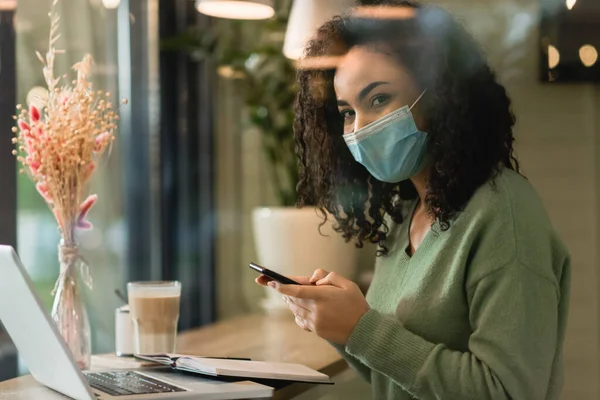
(408, 143)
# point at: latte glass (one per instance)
(154, 308)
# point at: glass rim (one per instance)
(168, 284)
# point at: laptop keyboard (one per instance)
(127, 383)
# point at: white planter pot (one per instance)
(288, 242)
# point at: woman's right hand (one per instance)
(303, 280)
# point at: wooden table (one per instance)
(259, 337)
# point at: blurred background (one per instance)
(204, 155)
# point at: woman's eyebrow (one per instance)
(367, 89)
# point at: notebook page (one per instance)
(253, 369)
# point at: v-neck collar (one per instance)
(406, 235)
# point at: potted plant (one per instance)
(288, 239)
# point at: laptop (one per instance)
(52, 364)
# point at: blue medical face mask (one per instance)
(392, 149)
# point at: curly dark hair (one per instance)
(468, 116)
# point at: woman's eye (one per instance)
(379, 100)
(348, 114)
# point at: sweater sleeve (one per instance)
(359, 367)
(514, 318)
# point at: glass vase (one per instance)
(68, 311)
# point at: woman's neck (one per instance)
(420, 183)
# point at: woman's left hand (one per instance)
(331, 308)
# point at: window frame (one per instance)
(8, 169)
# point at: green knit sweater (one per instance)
(478, 312)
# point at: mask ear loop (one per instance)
(417, 100)
(361, 133)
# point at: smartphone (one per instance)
(272, 275)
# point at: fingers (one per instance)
(303, 280)
(262, 280)
(299, 291)
(302, 324)
(304, 303)
(299, 311)
(318, 275)
(301, 314)
(334, 279)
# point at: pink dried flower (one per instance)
(84, 225)
(34, 113)
(88, 173)
(29, 145)
(64, 98)
(60, 143)
(24, 126)
(34, 164)
(84, 208)
(42, 188)
(101, 141)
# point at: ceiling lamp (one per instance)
(553, 57)
(111, 4)
(8, 5)
(588, 55)
(237, 9)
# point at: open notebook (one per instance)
(239, 368)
